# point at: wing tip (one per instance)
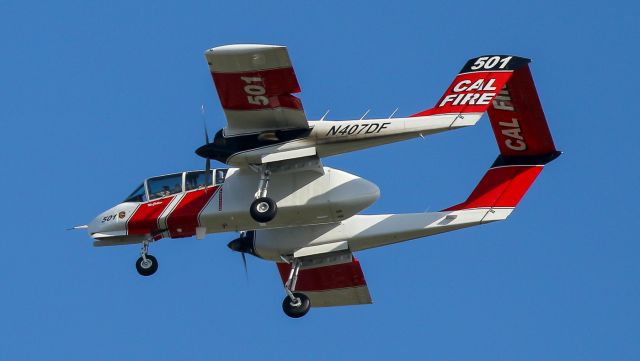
(236, 49)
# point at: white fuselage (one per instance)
(314, 195)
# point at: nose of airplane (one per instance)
(110, 222)
(94, 226)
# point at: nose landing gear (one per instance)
(147, 264)
(263, 209)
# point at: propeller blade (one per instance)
(204, 123)
(207, 174)
(207, 164)
(244, 263)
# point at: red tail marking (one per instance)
(517, 119)
(183, 220)
(145, 219)
(501, 187)
(469, 93)
(264, 89)
(326, 278)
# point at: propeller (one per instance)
(206, 140)
(243, 245)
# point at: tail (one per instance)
(477, 85)
(523, 138)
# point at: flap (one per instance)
(333, 285)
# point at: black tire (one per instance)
(299, 310)
(149, 268)
(263, 209)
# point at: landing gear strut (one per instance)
(295, 304)
(146, 264)
(263, 209)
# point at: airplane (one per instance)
(291, 209)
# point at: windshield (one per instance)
(138, 195)
(164, 186)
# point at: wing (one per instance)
(330, 279)
(255, 84)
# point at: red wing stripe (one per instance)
(326, 278)
(265, 89)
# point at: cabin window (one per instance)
(164, 186)
(196, 180)
(139, 195)
(221, 174)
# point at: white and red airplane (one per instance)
(292, 210)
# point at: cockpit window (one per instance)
(138, 195)
(221, 174)
(196, 180)
(164, 186)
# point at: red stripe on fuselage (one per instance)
(183, 220)
(145, 218)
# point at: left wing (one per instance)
(255, 84)
(332, 279)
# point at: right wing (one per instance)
(255, 84)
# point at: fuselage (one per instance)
(184, 208)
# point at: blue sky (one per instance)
(96, 96)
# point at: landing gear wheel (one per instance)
(263, 209)
(148, 267)
(296, 309)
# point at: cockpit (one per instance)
(170, 184)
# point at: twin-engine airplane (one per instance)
(292, 210)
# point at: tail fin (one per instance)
(525, 143)
(477, 85)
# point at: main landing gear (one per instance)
(146, 264)
(295, 304)
(263, 209)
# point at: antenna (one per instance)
(365, 114)
(325, 114)
(394, 113)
